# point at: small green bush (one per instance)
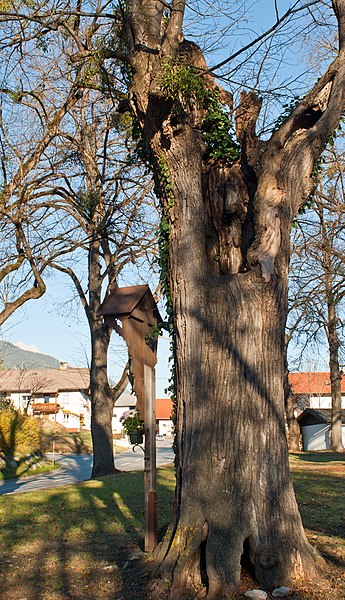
(6, 403)
(19, 441)
(17, 431)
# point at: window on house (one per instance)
(46, 399)
(25, 401)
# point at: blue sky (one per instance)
(63, 332)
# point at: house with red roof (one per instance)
(312, 392)
(315, 388)
(164, 409)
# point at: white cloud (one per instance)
(23, 346)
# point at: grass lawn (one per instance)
(82, 542)
(24, 470)
(56, 438)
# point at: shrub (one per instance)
(6, 403)
(19, 440)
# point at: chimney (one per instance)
(63, 366)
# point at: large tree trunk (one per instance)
(234, 492)
(228, 266)
(101, 405)
(293, 429)
(101, 396)
(336, 442)
(236, 495)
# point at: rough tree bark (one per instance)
(336, 441)
(228, 264)
(101, 395)
(331, 328)
(290, 404)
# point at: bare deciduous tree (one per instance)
(317, 277)
(29, 121)
(77, 203)
(114, 220)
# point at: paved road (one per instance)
(77, 467)
(134, 461)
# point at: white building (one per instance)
(313, 389)
(164, 410)
(122, 404)
(60, 394)
(63, 396)
(315, 426)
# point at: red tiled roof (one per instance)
(312, 383)
(164, 407)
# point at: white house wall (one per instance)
(68, 420)
(119, 409)
(324, 402)
(18, 400)
(72, 405)
(116, 423)
(165, 427)
(316, 437)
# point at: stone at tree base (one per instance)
(281, 592)
(136, 555)
(256, 595)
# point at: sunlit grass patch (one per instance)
(79, 541)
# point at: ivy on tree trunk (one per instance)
(228, 256)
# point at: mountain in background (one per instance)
(12, 356)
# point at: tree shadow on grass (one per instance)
(319, 457)
(65, 442)
(321, 500)
(81, 542)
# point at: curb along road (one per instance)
(77, 467)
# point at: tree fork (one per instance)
(228, 259)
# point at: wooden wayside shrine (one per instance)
(136, 308)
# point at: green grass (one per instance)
(70, 542)
(61, 441)
(25, 471)
(78, 542)
(111, 503)
(319, 482)
(323, 456)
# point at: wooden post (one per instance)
(150, 460)
(138, 312)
